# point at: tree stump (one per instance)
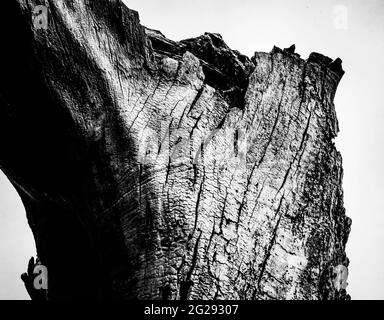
(155, 169)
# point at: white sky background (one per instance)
(352, 30)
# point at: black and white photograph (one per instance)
(212, 151)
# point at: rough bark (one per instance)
(253, 211)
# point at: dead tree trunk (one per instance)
(155, 169)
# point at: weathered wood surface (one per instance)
(155, 169)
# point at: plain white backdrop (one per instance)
(352, 30)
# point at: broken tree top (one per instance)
(170, 170)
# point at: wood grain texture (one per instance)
(154, 169)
